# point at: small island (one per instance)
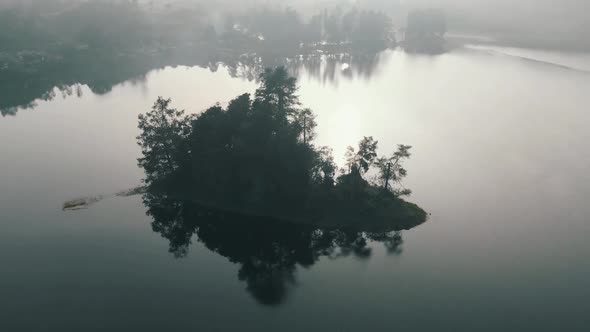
(257, 158)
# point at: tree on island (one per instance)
(392, 172)
(163, 132)
(250, 183)
(257, 157)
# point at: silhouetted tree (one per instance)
(325, 168)
(305, 120)
(361, 160)
(391, 170)
(278, 88)
(163, 133)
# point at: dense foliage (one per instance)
(257, 156)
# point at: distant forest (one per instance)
(100, 43)
(124, 25)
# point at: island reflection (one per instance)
(268, 251)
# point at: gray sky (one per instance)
(538, 18)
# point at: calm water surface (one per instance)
(501, 161)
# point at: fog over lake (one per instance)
(294, 165)
(500, 162)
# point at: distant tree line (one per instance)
(20, 87)
(60, 43)
(363, 28)
(425, 31)
(122, 25)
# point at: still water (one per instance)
(500, 161)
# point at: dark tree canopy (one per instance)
(361, 160)
(392, 172)
(258, 157)
(163, 131)
(279, 89)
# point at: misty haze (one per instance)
(294, 165)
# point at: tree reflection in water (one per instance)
(21, 89)
(267, 250)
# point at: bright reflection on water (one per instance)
(500, 160)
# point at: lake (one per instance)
(500, 161)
